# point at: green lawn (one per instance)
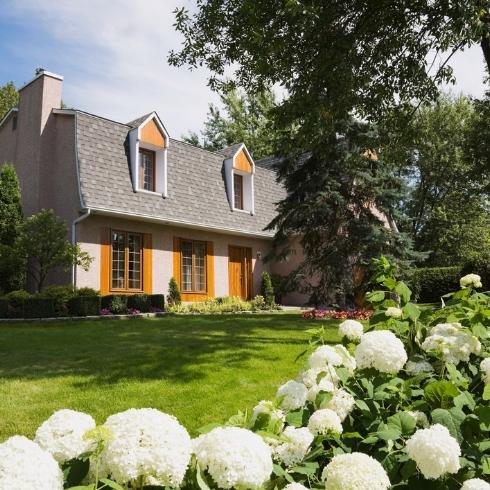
(202, 369)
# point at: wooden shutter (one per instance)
(147, 264)
(210, 268)
(177, 260)
(105, 260)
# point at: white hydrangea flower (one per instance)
(62, 434)
(311, 376)
(324, 385)
(293, 395)
(475, 484)
(25, 465)
(451, 342)
(355, 471)
(234, 457)
(323, 355)
(146, 442)
(324, 421)
(347, 360)
(416, 367)
(473, 280)
(382, 350)
(435, 451)
(341, 403)
(352, 329)
(295, 486)
(266, 406)
(393, 312)
(485, 369)
(295, 446)
(420, 418)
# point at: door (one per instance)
(240, 271)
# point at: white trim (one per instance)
(246, 211)
(74, 241)
(42, 73)
(4, 118)
(144, 191)
(177, 222)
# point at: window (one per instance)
(147, 170)
(238, 191)
(127, 257)
(193, 266)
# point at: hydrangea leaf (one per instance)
(440, 394)
(403, 422)
(403, 290)
(486, 392)
(452, 419)
(111, 484)
(479, 331)
(483, 413)
(411, 311)
(389, 434)
(465, 399)
(485, 465)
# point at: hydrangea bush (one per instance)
(402, 402)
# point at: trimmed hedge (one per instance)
(38, 307)
(428, 284)
(84, 305)
(4, 307)
(479, 265)
(139, 302)
(157, 301)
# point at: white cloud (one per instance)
(113, 55)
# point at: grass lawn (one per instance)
(201, 369)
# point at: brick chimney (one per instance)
(37, 100)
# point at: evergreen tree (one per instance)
(245, 118)
(12, 267)
(174, 297)
(267, 289)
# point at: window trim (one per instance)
(141, 169)
(126, 262)
(237, 176)
(193, 290)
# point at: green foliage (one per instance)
(117, 304)
(39, 307)
(246, 120)
(267, 289)
(81, 305)
(225, 304)
(429, 284)
(479, 263)
(43, 240)
(87, 292)
(284, 285)
(158, 301)
(139, 302)
(9, 98)
(60, 296)
(16, 302)
(173, 298)
(4, 307)
(12, 266)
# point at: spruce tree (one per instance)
(267, 289)
(173, 297)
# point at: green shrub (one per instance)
(157, 301)
(174, 297)
(84, 305)
(40, 307)
(267, 290)
(60, 295)
(479, 264)
(284, 285)
(258, 303)
(119, 305)
(16, 303)
(428, 284)
(224, 304)
(4, 307)
(87, 292)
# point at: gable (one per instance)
(242, 162)
(151, 134)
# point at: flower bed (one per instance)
(337, 314)
(402, 402)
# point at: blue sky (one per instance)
(113, 57)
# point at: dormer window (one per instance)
(147, 170)
(238, 190)
(148, 141)
(239, 173)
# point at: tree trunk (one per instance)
(485, 46)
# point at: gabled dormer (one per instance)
(148, 144)
(239, 170)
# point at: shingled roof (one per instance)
(196, 187)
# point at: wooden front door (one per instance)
(240, 271)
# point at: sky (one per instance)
(113, 55)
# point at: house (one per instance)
(145, 206)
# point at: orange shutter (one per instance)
(147, 264)
(105, 260)
(210, 268)
(177, 260)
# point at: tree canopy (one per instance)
(9, 98)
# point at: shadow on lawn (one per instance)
(177, 348)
